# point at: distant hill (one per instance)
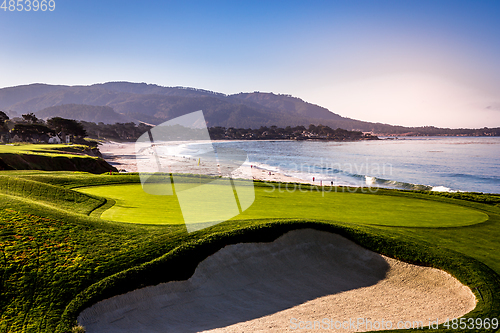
(12, 95)
(140, 102)
(84, 112)
(288, 104)
(155, 104)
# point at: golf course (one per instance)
(134, 205)
(71, 239)
(52, 157)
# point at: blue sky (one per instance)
(401, 62)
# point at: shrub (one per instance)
(78, 329)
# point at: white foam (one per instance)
(442, 189)
(370, 180)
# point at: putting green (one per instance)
(136, 206)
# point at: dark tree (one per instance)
(68, 126)
(117, 131)
(30, 118)
(3, 117)
(3, 120)
(30, 130)
(299, 129)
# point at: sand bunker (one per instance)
(305, 275)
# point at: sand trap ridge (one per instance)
(305, 274)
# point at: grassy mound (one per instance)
(52, 158)
(56, 259)
(55, 196)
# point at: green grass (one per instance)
(49, 194)
(42, 149)
(51, 157)
(135, 206)
(49, 255)
(55, 259)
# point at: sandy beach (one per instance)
(123, 156)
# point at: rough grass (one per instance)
(49, 255)
(55, 259)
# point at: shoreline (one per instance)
(123, 157)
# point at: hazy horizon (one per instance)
(410, 63)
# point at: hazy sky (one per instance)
(401, 62)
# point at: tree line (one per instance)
(436, 131)
(320, 132)
(118, 131)
(132, 131)
(29, 128)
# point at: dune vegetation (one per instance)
(63, 248)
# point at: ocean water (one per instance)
(434, 163)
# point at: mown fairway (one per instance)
(136, 206)
(51, 250)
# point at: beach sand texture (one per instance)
(123, 157)
(305, 275)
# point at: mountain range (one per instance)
(113, 102)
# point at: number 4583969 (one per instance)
(28, 5)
